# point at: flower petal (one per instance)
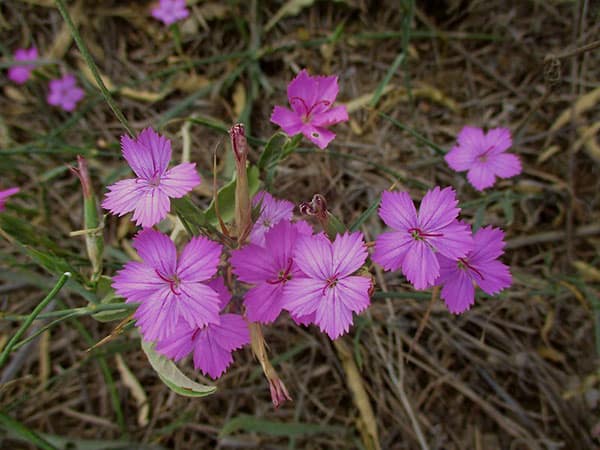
(330, 117)
(460, 158)
(199, 260)
(488, 245)
(302, 92)
(179, 180)
(313, 255)
(123, 196)
(438, 209)
(456, 241)
(481, 175)
(148, 155)
(157, 250)
(152, 207)
(289, 121)
(252, 264)
(397, 210)
(458, 293)
(136, 282)
(471, 138)
(301, 296)
(349, 253)
(391, 248)
(319, 136)
(209, 357)
(420, 265)
(495, 276)
(505, 165)
(197, 304)
(231, 332)
(499, 139)
(264, 302)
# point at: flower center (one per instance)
(464, 264)
(308, 111)
(173, 281)
(419, 235)
(484, 156)
(284, 275)
(332, 281)
(154, 180)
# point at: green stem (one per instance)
(77, 312)
(38, 309)
(92, 65)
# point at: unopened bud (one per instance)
(317, 207)
(94, 239)
(243, 205)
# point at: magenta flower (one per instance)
(170, 11)
(20, 74)
(4, 196)
(269, 269)
(484, 156)
(311, 99)
(212, 346)
(272, 212)
(479, 267)
(65, 93)
(148, 195)
(168, 287)
(328, 287)
(417, 238)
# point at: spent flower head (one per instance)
(170, 11)
(65, 93)
(328, 287)
(417, 238)
(21, 73)
(479, 267)
(311, 99)
(269, 269)
(170, 287)
(484, 156)
(148, 195)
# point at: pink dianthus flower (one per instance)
(148, 195)
(311, 99)
(65, 93)
(20, 74)
(170, 11)
(484, 156)
(417, 238)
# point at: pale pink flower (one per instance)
(20, 74)
(311, 99)
(65, 93)
(329, 287)
(417, 238)
(272, 211)
(484, 156)
(478, 267)
(148, 195)
(170, 11)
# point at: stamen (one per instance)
(284, 274)
(331, 281)
(173, 282)
(421, 234)
(469, 266)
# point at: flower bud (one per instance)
(243, 205)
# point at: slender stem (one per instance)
(92, 65)
(38, 309)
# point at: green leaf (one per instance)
(192, 218)
(507, 206)
(52, 263)
(174, 378)
(335, 226)
(364, 216)
(479, 216)
(272, 428)
(226, 198)
(273, 151)
(106, 293)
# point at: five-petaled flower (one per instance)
(480, 266)
(269, 269)
(65, 93)
(484, 156)
(328, 286)
(272, 211)
(20, 73)
(418, 237)
(169, 287)
(311, 99)
(148, 195)
(4, 196)
(170, 11)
